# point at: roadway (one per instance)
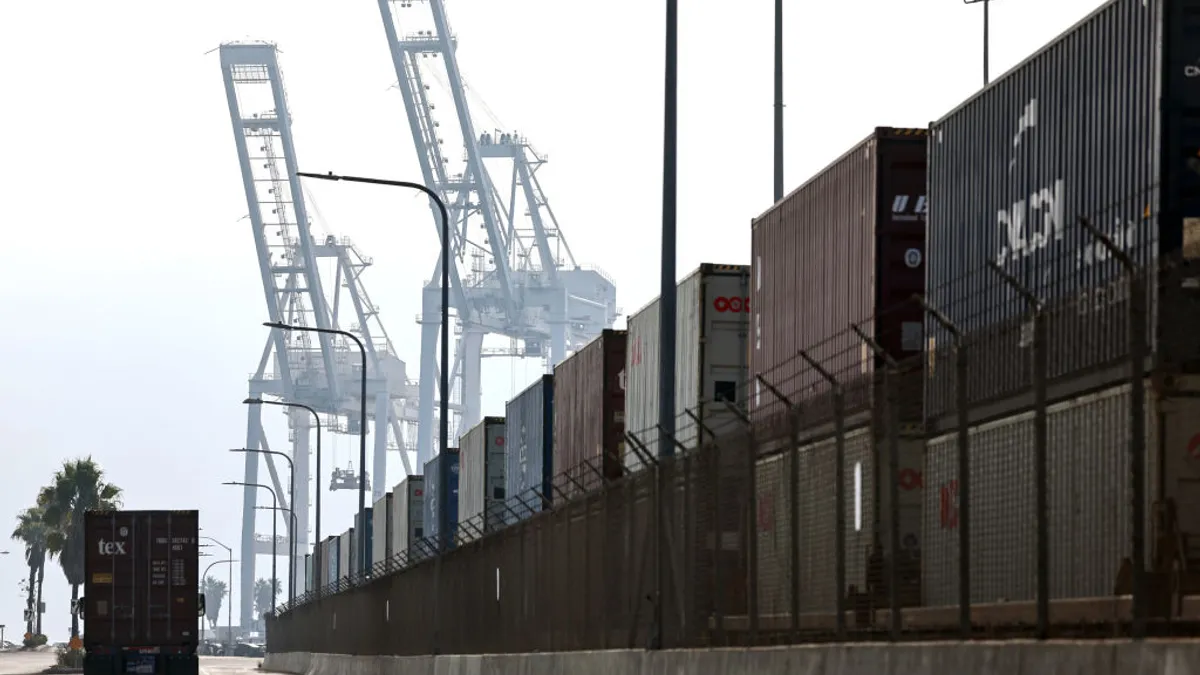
(232, 665)
(33, 663)
(25, 663)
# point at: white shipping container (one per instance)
(1089, 496)
(711, 324)
(381, 530)
(407, 518)
(481, 480)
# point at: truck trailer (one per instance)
(141, 594)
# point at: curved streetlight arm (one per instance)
(362, 413)
(274, 536)
(317, 419)
(229, 606)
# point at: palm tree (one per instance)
(31, 531)
(263, 597)
(77, 487)
(214, 592)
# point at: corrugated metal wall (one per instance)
(1089, 501)
(529, 433)
(1072, 133)
(587, 382)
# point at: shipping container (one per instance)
(408, 517)
(711, 324)
(1100, 125)
(441, 497)
(333, 559)
(529, 447)
(141, 591)
(1089, 498)
(481, 489)
(381, 530)
(308, 573)
(589, 417)
(843, 247)
(364, 527)
(346, 561)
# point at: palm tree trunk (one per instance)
(74, 615)
(32, 590)
(38, 609)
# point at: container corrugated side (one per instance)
(711, 325)
(441, 497)
(365, 530)
(481, 488)
(529, 447)
(345, 548)
(308, 573)
(335, 560)
(1100, 124)
(589, 417)
(846, 245)
(1089, 497)
(381, 528)
(408, 515)
(141, 579)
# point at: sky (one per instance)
(128, 277)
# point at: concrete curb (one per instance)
(1177, 657)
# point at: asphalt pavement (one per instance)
(226, 665)
(25, 663)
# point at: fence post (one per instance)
(892, 402)
(794, 501)
(839, 492)
(1042, 484)
(1138, 351)
(961, 391)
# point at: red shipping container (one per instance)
(589, 410)
(846, 245)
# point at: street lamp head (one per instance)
(322, 176)
(253, 401)
(277, 324)
(240, 450)
(232, 482)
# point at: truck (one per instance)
(141, 593)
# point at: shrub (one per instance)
(69, 658)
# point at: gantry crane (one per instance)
(521, 279)
(317, 370)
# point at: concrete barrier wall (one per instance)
(980, 658)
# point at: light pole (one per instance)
(229, 608)
(204, 576)
(258, 401)
(292, 570)
(443, 408)
(666, 316)
(778, 100)
(362, 413)
(291, 500)
(274, 536)
(986, 33)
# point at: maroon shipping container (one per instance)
(141, 586)
(589, 410)
(840, 249)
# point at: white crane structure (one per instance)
(513, 275)
(317, 370)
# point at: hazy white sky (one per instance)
(130, 287)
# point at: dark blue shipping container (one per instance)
(529, 431)
(441, 497)
(366, 530)
(1101, 124)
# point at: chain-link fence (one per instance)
(1037, 475)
